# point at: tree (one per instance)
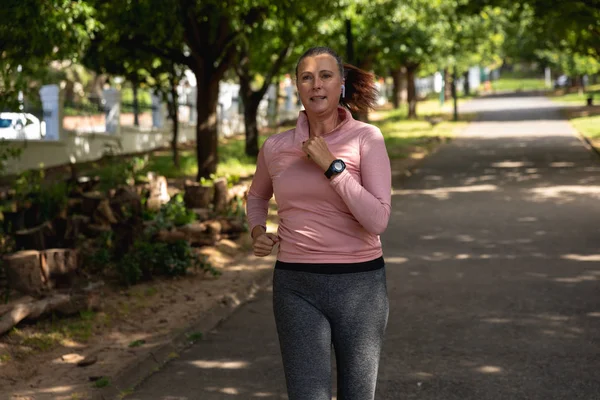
(33, 33)
(265, 49)
(198, 34)
(109, 53)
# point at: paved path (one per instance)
(493, 256)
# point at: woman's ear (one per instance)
(343, 91)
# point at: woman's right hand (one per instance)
(263, 242)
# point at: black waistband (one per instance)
(332, 268)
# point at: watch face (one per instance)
(338, 166)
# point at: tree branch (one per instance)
(138, 42)
(281, 56)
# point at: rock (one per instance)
(89, 360)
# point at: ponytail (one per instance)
(361, 92)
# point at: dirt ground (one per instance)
(130, 323)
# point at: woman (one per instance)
(332, 182)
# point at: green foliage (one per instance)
(33, 33)
(102, 382)
(7, 153)
(137, 343)
(172, 214)
(195, 337)
(102, 253)
(28, 184)
(30, 188)
(146, 259)
(120, 172)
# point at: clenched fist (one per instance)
(317, 150)
(263, 242)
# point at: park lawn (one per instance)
(577, 97)
(402, 136)
(588, 126)
(518, 84)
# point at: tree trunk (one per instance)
(206, 125)
(412, 90)
(447, 87)
(251, 101)
(275, 107)
(136, 105)
(467, 84)
(349, 43)
(172, 106)
(399, 77)
(454, 94)
(250, 114)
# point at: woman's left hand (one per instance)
(317, 150)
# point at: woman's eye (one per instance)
(326, 76)
(306, 77)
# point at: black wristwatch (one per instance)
(336, 167)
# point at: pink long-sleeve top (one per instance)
(322, 220)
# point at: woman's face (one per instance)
(319, 84)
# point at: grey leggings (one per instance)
(314, 311)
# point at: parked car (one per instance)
(20, 126)
(561, 82)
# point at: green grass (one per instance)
(232, 160)
(402, 135)
(518, 84)
(577, 97)
(588, 126)
(399, 132)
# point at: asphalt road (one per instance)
(493, 263)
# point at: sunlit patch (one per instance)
(537, 274)
(559, 191)
(577, 279)
(263, 394)
(413, 273)
(489, 369)
(462, 256)
(531, 170)
(428, 237)
(527, 219)
(594, 314)
(510, 164)
(437, 256)
(396, 260)
(562, 164)
(433, 178)
(444, 193)
(229, 390)
(497, 320)
(581, 257)
(422, 375)
(558, 318)
(220, 364)
(465, 238)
